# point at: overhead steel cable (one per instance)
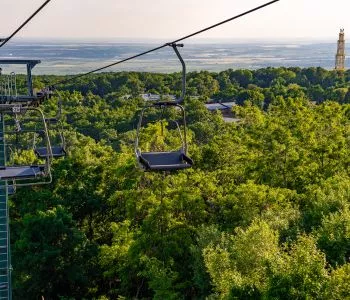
(5, 40)
(166, 44)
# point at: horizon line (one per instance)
(192, 41)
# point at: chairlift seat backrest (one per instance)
(11, 189)
(51, 120)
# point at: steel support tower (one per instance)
(5, 253)
(9, 100)
(340, 56)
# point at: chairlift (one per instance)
(22, 174)
(166, 160)
(59, 150)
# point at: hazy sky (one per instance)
(167, 19)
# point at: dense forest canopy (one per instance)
(263, 214)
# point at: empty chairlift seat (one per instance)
(164, 161)
(57, 151)
(22, 172)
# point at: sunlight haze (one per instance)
(160, 19)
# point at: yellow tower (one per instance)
(340, 57)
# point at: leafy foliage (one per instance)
(264, 213)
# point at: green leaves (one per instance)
(339, 283)
(50, 247)
(264, 213)
(299, 273)
(334, 237)
(238, 264)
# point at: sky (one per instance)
(168, 19)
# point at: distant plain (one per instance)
(67, 57)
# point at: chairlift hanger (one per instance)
(166, 160)
(56, 150)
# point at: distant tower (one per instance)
(340, 57)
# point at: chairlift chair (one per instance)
(24, 173)
(166, 160)
(57, 151)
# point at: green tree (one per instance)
(51, 256)
(300, 273)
